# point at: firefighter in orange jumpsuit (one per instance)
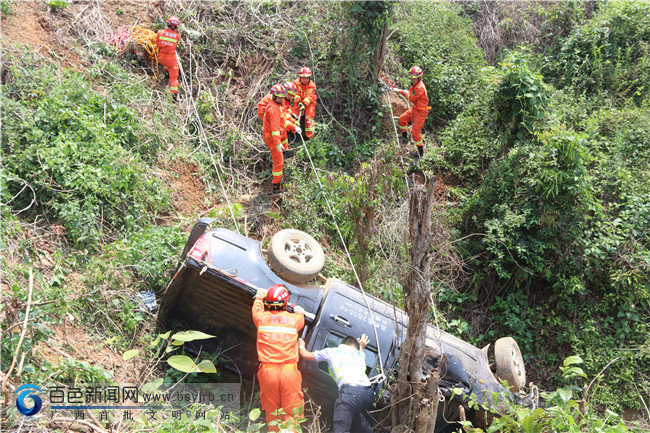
(166, 40)
(277, 350)
(287, 110)
(287, 115)
(417, 94)
(272, 127)
(305, 100)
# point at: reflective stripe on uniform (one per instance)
(309, 129)
(418, 143)
(334, 374)
(163, 38)
(173, 88)
(306, 101)
(282, 329)
(275, 133)
(278, 173)
(267, 365)
(403, 127)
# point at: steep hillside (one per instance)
(538, 136)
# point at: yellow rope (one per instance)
(147, 39)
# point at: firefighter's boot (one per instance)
(419, 153)
(277, 188)
(176, 98)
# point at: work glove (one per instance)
(298, 130)
(261, 292)
(298, 309)
(301, 106)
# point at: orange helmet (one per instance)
(277, 297)
(304, 72)
(291, 87)
(416, 72)
(278, 90)
(173, 21)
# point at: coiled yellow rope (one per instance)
(147, 39)
(142, 36)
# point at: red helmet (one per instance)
(278, 90)
(173, 21)
(277, 297)
(291, 87)
(304, 72)
(416, 72)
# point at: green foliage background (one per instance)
(543, 155)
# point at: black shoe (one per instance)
(405, 135)
(176, 98)
(277, 188)
(287, 153)
(417, 154)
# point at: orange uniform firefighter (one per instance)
(417, 94)
(288, 120)
(166, 40)
(272, 127)
(305, 100)
(277, 350)
(287, 110)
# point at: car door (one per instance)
(346, 311)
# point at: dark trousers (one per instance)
(350, 407)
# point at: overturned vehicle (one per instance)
(213, 290)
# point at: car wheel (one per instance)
(295, 256)
(510, 363)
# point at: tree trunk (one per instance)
(381, 50)
(417, 290)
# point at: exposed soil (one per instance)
(398, 103)
(56, 34)
(188, 196)
(72, 341)
(32, 24)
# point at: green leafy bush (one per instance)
(72, 146)
(610, 53)
(436, 38)
(57, 5)
(527, 207)
(563, 218)
(150, 253)
(6, 7)
(520, 100)
(467, 145)
(564, 411)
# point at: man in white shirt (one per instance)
(348, 366)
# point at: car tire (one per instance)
(295, 256)
(510, 363)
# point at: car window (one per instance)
(333, 340)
